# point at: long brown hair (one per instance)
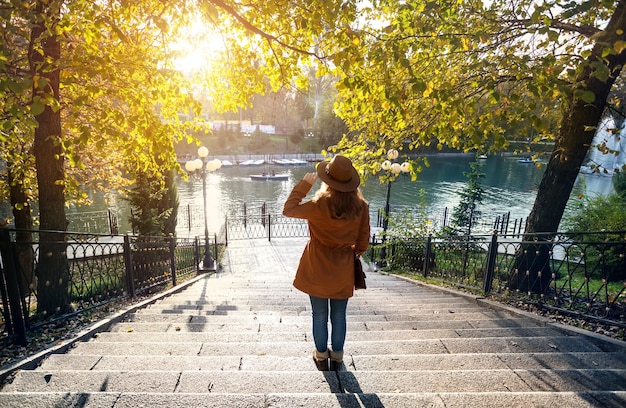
(342, 204)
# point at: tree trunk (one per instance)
(532, 270)
(23, 237)
(52, 268)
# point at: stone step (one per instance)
(160, 327)
(302, 334)
(242, 338)
(279, 317)
(321, 400)
(251, 362)
(286, 306)
(253, 382)
(563, 344)
(210, 298)
(302, 310)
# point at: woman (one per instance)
(339, 227)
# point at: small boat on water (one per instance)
(289, 162)
(269, 177)
(525, 160)
(252, 162)
(281, 162)
(298, 162)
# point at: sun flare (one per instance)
(197, 48)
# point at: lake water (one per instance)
(510, 187)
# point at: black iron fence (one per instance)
(577, 273)
(264, 226)
(42, 281)
(94, 222)
(582, 274)
(439, 219)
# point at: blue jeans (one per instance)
(337, 322)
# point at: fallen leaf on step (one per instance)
(554, 346)
(177, 328)
(210, 387)
(130, 329)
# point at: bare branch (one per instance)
(252, 28)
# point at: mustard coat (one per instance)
(326, 268)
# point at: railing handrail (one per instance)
(553, 270)
(91, 271)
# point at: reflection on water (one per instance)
(509, 187)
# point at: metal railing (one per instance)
(265, 226)
(67, 273)
(94, 222)
(577, 273)
(439, 219)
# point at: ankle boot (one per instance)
(336, 360)
(321, 360)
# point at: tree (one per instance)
(94, 91)
(44, 53)
(466, 213)
(154, 204)
(467, 72)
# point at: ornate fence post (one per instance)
(372, 243)
(196, 254)
(263, 214)
(9, 265)
(226, 231)
(215, 253)
(491, 263)
(128, 263)
(427, 254)
(269, 228)
(245, 216)
(172, 242)
(189, 217)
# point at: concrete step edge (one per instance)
(317, 382)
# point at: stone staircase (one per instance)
(241, 338)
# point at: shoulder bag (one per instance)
(359, 275)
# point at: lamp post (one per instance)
(393, 170)
(310, 136)
(208, 264)
(247, 136)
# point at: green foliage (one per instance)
(619, 184)
(601, 213)
(154, 205)
(118, 91)
(469, 87)
(410, 223)
(466, 213)
(407, 255)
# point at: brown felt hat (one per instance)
(339, 174)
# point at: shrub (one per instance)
(597, 214)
